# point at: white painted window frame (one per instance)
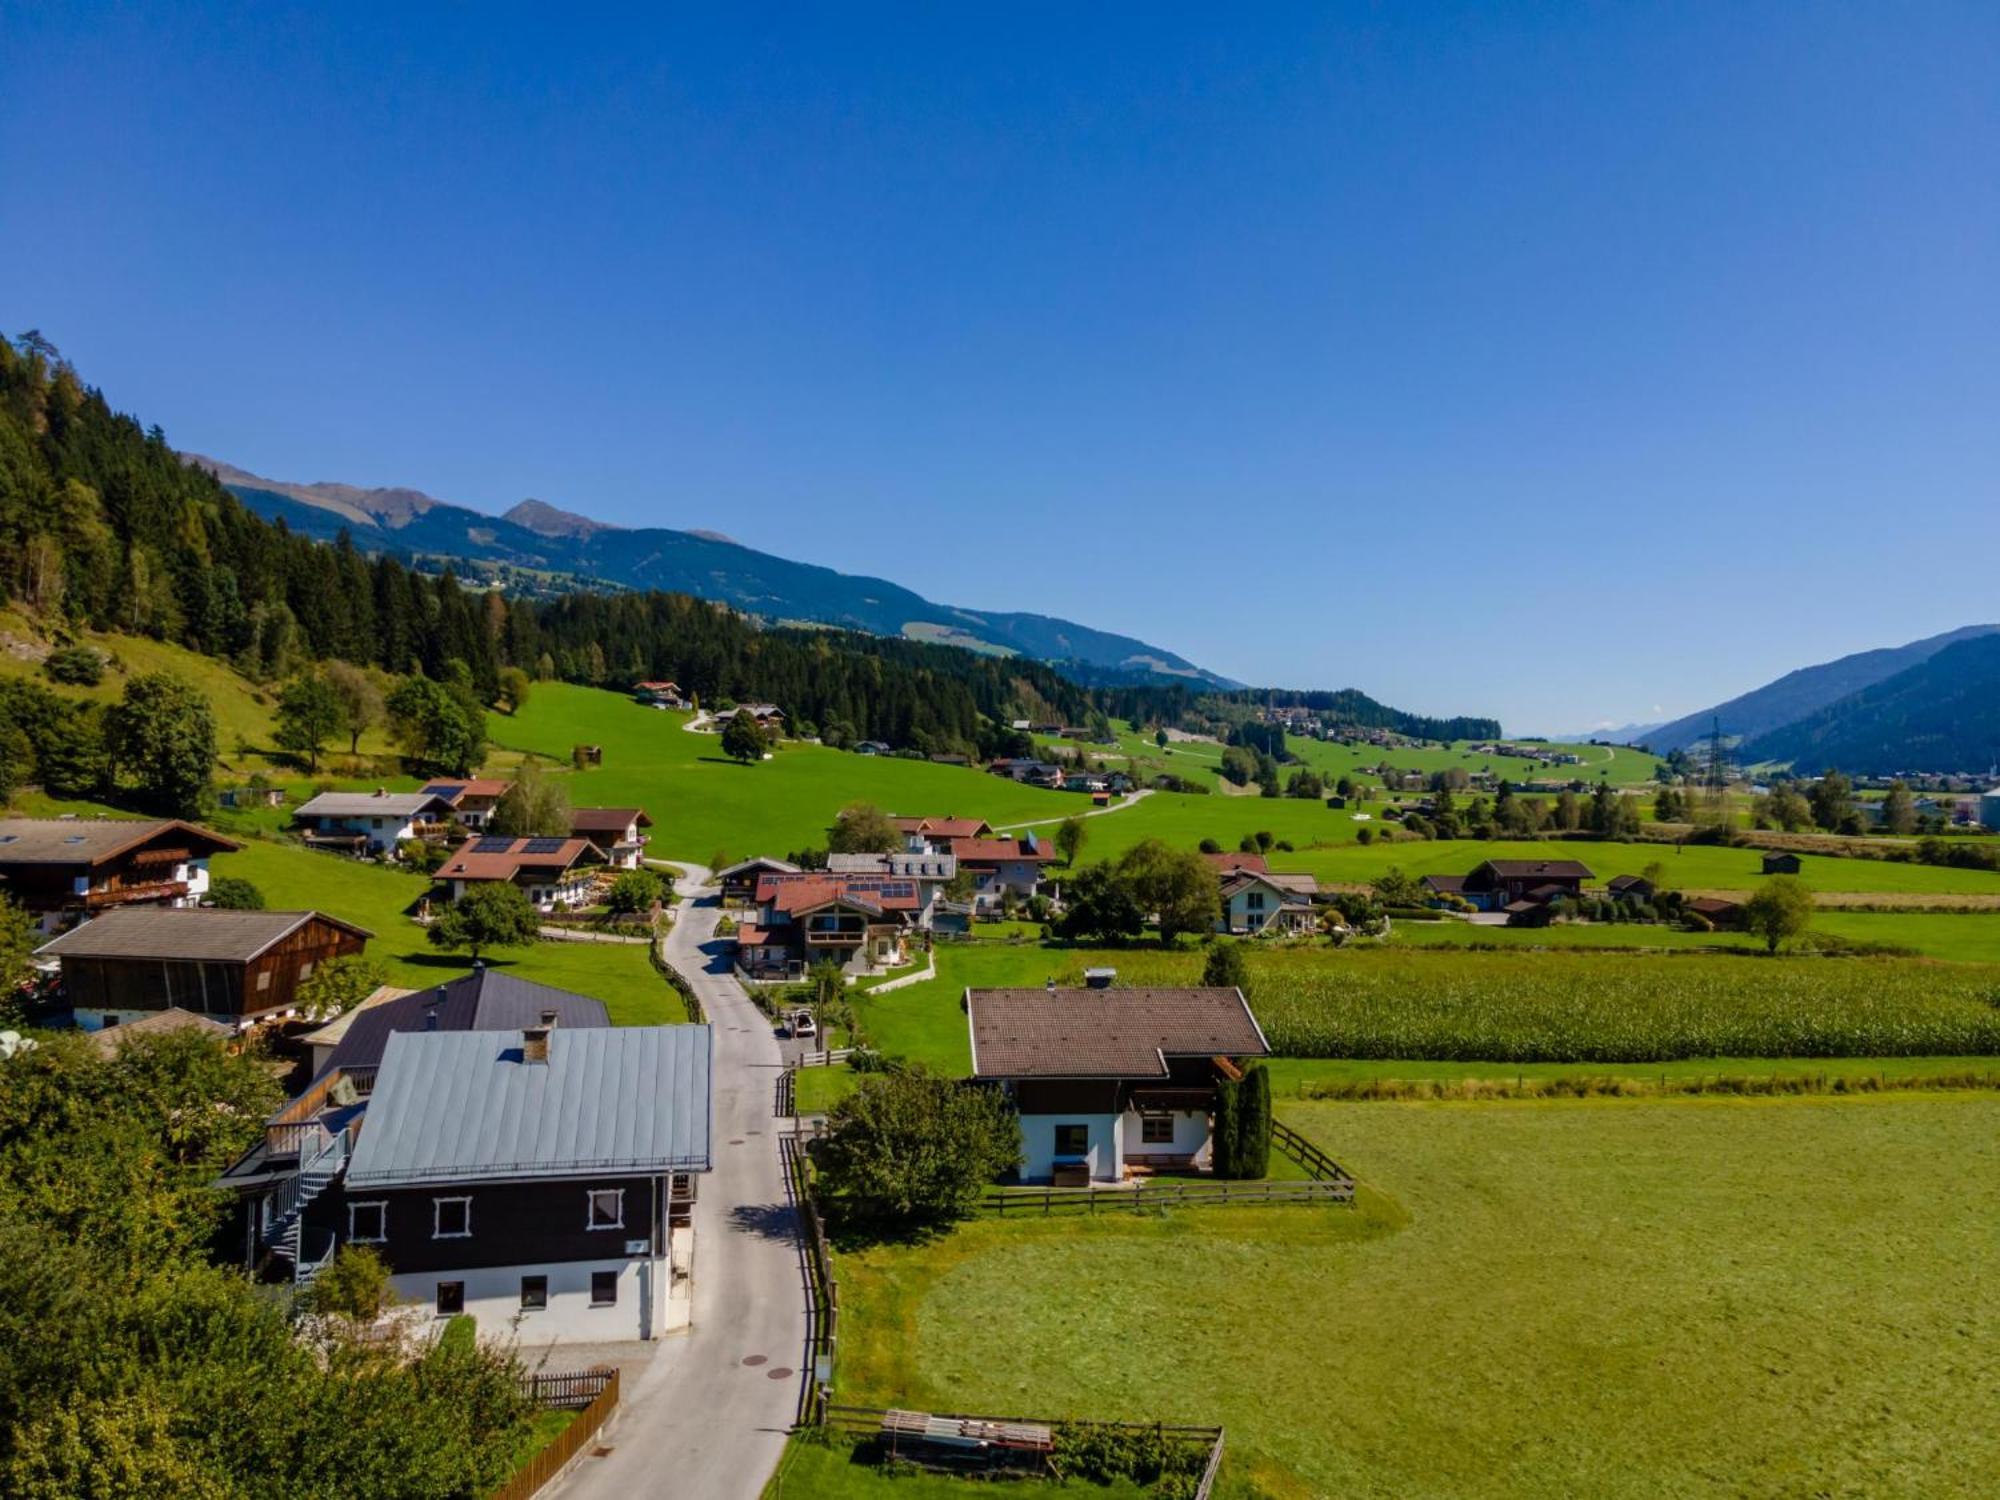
(354, 1236)
(437, 1205)
(590, 1197)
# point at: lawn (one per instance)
(1682, 1297)
(378, 898)
(701, 802)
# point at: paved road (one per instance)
(709, 1416)
(1130, 799)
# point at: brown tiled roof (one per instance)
(995, 851)
(791, 894)
(607, 819)
(1113, 1033)
(1626, 882)
(90, 841)
(1229, 864)
(1449, 884)
(191, 934)
(498, 864)
(943, 828)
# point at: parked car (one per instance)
(802, 1024)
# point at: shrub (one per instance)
(234, 893)
(912, 1150)
(634, 893)
(79, 666)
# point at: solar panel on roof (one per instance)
(492, 846)
(543, 846)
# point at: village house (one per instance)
(862, 923)
(553, 873)
(1499, 884)
(1255, 902)
(1236, 861)
(1001, 868)
(938, 833)
(766, 716)
(109, 1041)
(1781, 863)
(658, 694)
(539, 1181)
(739, 881)
(236, 967)
(873, 747)
(60, 869)
(617, 833)
(364, 823)
(1717, 911)
(472, 802)
(1444, 890)
(1109, 1082)
(930, 872)
(1028, 770)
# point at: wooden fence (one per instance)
(866, 1421)
(570, 1390)
(822, 1290)
(1322, 1167)
(572, 1440)
(825, 1059)
(1016, 1202)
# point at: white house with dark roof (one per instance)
(1111, 1082)
(539, 1180)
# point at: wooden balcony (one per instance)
(123, 895)
(300, 1121)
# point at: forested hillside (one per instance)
(103, 526)
(1940, 715)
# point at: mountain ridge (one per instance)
(1940, 715)
(539, 536)
(1804, 692)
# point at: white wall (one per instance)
(646, 1308)
(1038, 1145)
(1190, 1135)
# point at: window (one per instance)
(534, 1293)
(1156, 1130)
(450, 1299)
(367, 1223)
(263, 979)
(603, 1288)
(606, 1208)
(305, 970)
(1253, 901)
(110, 1021)
(1072, 1140)
(451, 1218)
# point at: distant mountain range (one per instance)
(1940, 714)
(1809, 691)
(537, 537)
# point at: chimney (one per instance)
(535, 1039)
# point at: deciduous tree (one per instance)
(910, 1150)
(492, 914)
(1781, 910)
(162, 733)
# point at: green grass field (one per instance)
(702, 802)
(378, 899)
(1689, 1297)
(1966, 937)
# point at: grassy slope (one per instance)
(701, 801)
(1683, 1297)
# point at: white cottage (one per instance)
(1109, 1082)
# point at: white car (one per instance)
(802, 1024)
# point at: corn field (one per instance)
(1587, 1007)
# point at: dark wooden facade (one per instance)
(145, 873)
(233, 988)
(513, 1223)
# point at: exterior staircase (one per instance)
(321, 1163)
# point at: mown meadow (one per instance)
(1626, 1298)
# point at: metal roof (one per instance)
(191, 934)
(484, 1000)
(372, 805)
(464, 1106)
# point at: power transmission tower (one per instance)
(1715, 770)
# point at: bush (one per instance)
(634, 893)
(79, 666)
(234, 893)
(493, 914)
(912, 1150)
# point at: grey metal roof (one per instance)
(372, 805)
(463, 1106)
(191, 934)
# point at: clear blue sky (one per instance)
(1567, 363)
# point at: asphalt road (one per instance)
(710, 1415)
